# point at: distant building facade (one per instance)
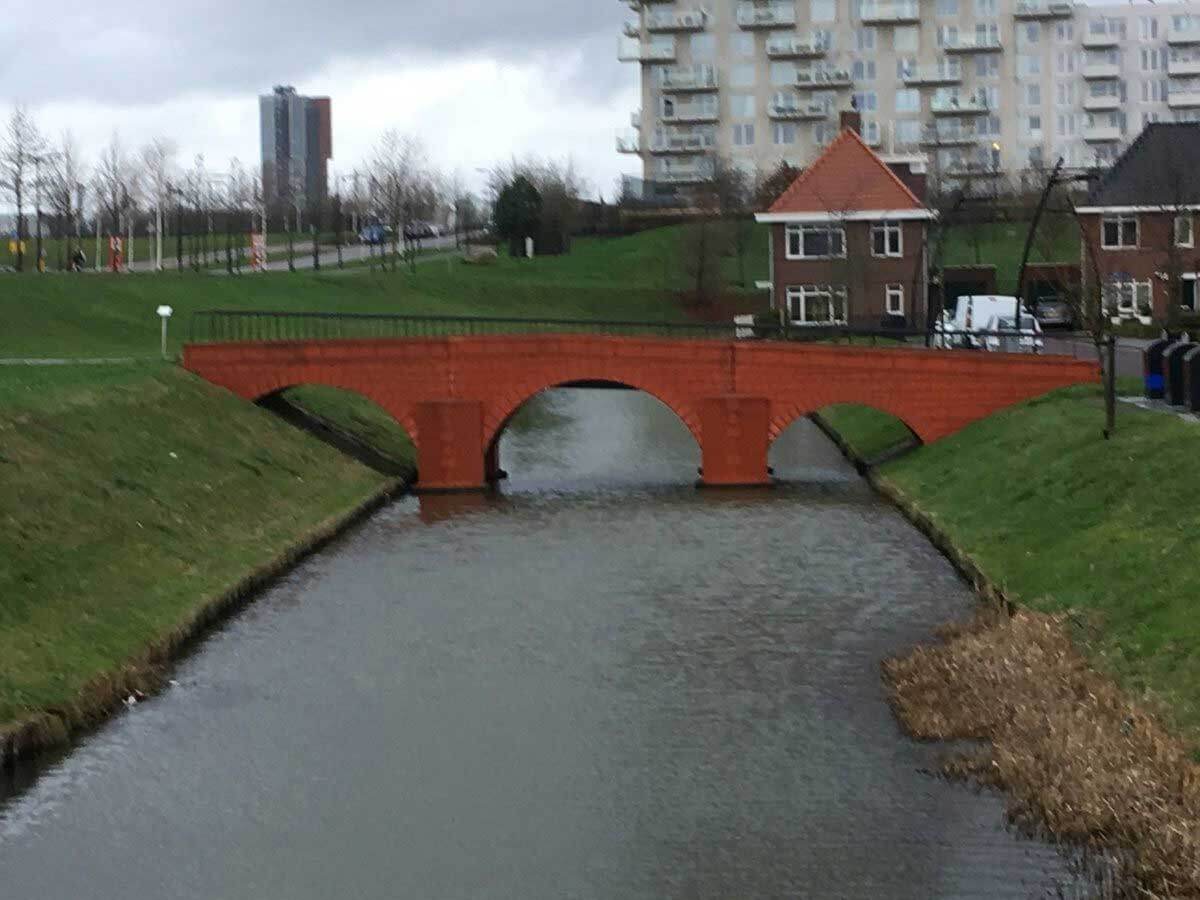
(297, 144)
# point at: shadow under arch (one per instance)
(514, 408)
(867, 433)
(348, 420)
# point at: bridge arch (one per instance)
(789, 414)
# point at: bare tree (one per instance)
(115, 182)
(159, 171)
(65, 179)
(21, 145)
(708, 239)
(399, 173)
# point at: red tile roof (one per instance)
(847, 177)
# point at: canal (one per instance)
(601, 683)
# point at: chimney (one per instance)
(852, 119)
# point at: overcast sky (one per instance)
(477, 80)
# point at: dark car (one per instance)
(375, 234)
(1054, 312)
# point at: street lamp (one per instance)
(164, 313)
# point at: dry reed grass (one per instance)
(1077, 757)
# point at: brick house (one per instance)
(1139, 223)
(848, 241)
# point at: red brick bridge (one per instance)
(455, 395)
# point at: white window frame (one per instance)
(893, 295)
(802, 293)
(888, 229)
(1185, 218)
(1126, 294)
(800, 230)
(1120, 221)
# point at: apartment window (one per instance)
(1033, 95)
(864, 70)
(1119, 232)
(987, 33)
(1152, 59)
(894, 299)
(1064, 32)
(1033, 127)
(783, 73)
(986, 9)
(743, 135)
(864, 38)
(906, 39)
(1184, 236)
(1029, 64)
(824, 10)
(815, 242)
(1148, 28)
(1065, 62)
(784, 133)
(887, 239)
(908, 132)
(947, 36)
(743, 43)
(743, 75)
(988, 126)
(905, 66)
(866, 101)
(870, 132)
(741, 106)
(1067, 124)
(704, 46)
(1032, 32)
(946, 8)
(1064, 93)
(987, 66)
(1154, 92)
(817, 304)
(908, 100)
(822, 37)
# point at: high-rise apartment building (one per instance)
(982, 89)
(297, 144)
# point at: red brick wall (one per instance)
(1144, 261)
(865, 276)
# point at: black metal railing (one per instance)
(232, 326)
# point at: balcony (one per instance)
(823, 78)
(957, 106)
(629, 50)
(798, 112)
(1100, 40)
(971, 170)
(897, 12)
(692, 112)
(665, 22)
(691, 174)
(975, 44)
(788, 47)
(948, 137)
(682, 144)
(1183, 67)
(1183, 36)
(765, 17)
(1096, 71)
(1036, 9)
(695, 79)
(1100, 104)
(630, 143)
(1101, 133)
(1188, 99)
(933, 75)
(632, 30)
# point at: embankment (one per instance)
(1084, 678)
(137, 505)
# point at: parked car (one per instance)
(375, 234)
(1053, 312)
(966, 326)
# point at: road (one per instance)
(1129, 351)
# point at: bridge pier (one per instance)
(449, 434)
(734, 438)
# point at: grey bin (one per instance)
(1152, 368)
(1191, 378)
(1173, 372)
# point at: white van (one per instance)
(968, 324)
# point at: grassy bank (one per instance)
(1065, 520)
(129, 497)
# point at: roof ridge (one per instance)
(804, 177)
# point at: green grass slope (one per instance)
(128, 496)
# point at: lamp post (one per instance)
(164, 313)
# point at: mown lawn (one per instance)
(129, 495)
(1064, 519)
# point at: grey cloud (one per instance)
(155, 52)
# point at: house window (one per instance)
(815, 242)
(817, 304)
(1184, 236)
(1118, 232)
(887, 239)
(1128, 298)
(894, 294)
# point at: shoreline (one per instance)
(25, 739)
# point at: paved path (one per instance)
(1129, 351)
